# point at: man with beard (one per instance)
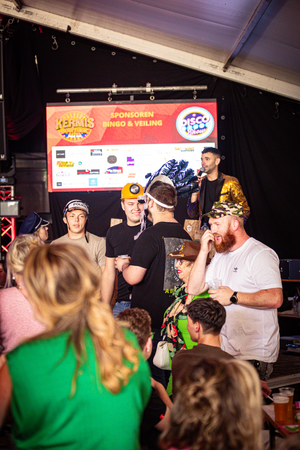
(215, 186)
(250, 290)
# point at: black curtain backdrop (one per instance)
(258, 131)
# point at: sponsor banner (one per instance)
(109, 142)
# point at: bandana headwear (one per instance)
(163, 205)
(177, 175)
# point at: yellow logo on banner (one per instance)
(74, 126)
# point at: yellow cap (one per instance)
(132, 190)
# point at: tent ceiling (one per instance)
(258, 39)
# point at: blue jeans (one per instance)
(120, 306)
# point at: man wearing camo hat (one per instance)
(244, 277)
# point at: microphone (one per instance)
(201, 170)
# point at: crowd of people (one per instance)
(78, 371)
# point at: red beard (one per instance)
(228, 241)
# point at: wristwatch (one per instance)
(234, 298)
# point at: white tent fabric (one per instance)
(254, 42)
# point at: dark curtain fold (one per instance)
(23, 97)
(261, 147)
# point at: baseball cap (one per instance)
(188, 251)
(132, 190)
(32, 223)
(76, 204)
(221, 209)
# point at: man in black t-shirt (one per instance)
(216, 186)
(120, 241)
(149, 271)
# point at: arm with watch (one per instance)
(264, 299)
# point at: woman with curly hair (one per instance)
(83, 384)
(218, 407)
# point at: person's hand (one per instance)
(194, 196)
(122, 263)
(200, 179)
(266, 391)
(222, 295)
(207, 241)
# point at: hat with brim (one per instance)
(222, 209)
(32, 223)
(188, 251)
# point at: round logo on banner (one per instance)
(195, 123)
(74, 126)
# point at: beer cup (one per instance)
(289, 392)
(280, 407)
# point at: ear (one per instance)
(197, 326)
(65, 220)
(147, 348)
(235, 224)
(217, 162)
(122, 205)
(151, 203)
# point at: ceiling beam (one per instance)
(148, 48)
(255, 18)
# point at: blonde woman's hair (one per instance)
(218, 407)
(17, 254)
(64, 288)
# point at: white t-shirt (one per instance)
(249, 333)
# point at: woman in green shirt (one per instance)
(83, 383)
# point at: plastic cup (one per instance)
(214, 284)
(280, 407)
(289, 392)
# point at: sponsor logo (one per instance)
(74, 126)
(96, 152)
(130, 161)
(61, 173)
(111, 159)
(88, 171)
(65, 163)
(114, 170)
(60, 153)
(93, 182)
(195, 123)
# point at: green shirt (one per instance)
(46, 416)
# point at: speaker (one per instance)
(284, 268)
(290, 269)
